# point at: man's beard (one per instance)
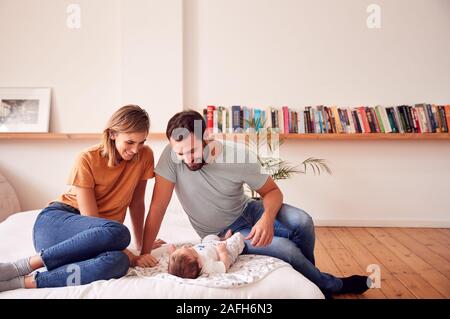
(195, 166)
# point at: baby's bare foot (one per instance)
(227, 235)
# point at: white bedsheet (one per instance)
(16, 242)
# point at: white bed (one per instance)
(16, 242)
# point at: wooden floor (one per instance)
(414, 262)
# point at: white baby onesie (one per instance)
(209, 257)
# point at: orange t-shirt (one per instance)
(113, 186)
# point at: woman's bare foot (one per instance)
(30, 283)
(36, 262)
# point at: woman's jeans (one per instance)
(293, 241)
(76, 249)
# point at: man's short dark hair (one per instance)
(186, 120)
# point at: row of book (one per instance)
(420, 118)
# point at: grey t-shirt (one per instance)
(213, 197)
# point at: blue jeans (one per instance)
(76, 249)
(293, 241)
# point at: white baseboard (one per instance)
(382, 223)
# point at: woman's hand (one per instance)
(146, 260)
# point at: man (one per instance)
(210, 188)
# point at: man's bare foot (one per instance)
(227, 235)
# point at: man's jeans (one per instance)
(293, 241)
(77, 249)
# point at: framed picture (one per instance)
(24, 109)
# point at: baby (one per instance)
(213, 255)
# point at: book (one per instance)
(415, 117)
(205, 118)
(316, 121)
(360, 120)
(447, 116)
(343, 120)
(391, 118)
(370, 120)
(285, 111)
(441, 112)
(356, 120)
(307, 117)
(348, 115)
(258, 120)
(386, 123)
(281, 121)
(409, 119)
(215, 121)
(272, 118)
(379, 118)
(398, 119)
(236, 118)
(422, 118)
(210, 117)
(301, 121)
(403, 119)
(376, 124)
(431, 118)
(337, 120)
(312, 120)
(365, 121)
(436, 118)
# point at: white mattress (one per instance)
(16, 242)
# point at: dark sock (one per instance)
(327, 294)
(354, 284)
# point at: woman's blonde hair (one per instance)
(127, 119)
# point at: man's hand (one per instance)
(262, 232)
(146, 260)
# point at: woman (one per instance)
(81, 237)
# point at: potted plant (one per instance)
(276, 167)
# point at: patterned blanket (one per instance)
(246, 270)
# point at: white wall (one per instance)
(125, 52)
(164, 54)
(82, 66)
(152, 56)
(294, 52)
(374, 183)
